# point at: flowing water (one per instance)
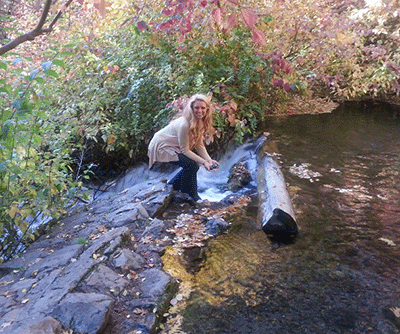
(342, 274)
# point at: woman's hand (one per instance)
(211, 165)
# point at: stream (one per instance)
(342, 273)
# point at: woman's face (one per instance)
(200, 109)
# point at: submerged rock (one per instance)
(239, 176)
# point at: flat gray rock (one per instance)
(105, 280)
(127, 214)
(126, 259)
(48, 325)
(153, 282)
(85, 313)
(55, 260)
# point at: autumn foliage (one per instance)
(107, 75)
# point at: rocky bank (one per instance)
(99, 269)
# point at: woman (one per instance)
(177, 142)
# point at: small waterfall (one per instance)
(213, 185)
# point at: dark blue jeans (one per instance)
(186, 180)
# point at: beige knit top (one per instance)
(174, 139)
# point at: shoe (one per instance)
(196, 198)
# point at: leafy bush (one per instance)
(35, 181)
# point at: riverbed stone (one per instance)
(60, 284)
(48, 325)
(22, 261)
(126, 259)
(84, 312)
(155, 229)
(153, 282)
(54, 260)
(239, 176)
(127, 214)
(216, 225)
(113, 245)
(105, 280)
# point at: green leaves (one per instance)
(3, 65)
(32, 156)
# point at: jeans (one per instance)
(186, 180)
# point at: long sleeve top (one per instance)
(174, 139)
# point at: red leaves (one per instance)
(182, 14)
(231, 22)
(284, 85)
(216, 13)
(167, 11)
(186, 26)
(258, 37)
(229, 110)
(142, 26)
(249, 18)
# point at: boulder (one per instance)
(239, 176)
(84, 313)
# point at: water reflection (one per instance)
(343, 273)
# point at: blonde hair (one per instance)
(199, 129)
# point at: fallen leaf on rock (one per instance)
(6, 324)
(6, 283)
(95, 236)
(389, 242)
(25, 301)
(396, 311)
(147, 240)
(102, 229)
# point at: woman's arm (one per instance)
(183, 140)
(202, 158)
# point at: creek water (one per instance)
(342, 273)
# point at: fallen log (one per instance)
(275, 210)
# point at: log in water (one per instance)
(275, 207)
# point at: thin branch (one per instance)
(39, 30)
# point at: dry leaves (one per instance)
(388, 242)
(396, 311)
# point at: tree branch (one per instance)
(39, 30)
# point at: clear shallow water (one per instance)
(342, 275)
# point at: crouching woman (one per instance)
(182, 142)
